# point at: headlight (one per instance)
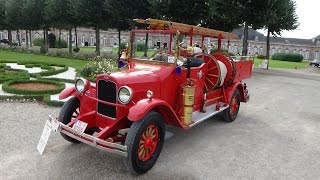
(124, 95)
(80, 85)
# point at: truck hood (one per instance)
(143, 74)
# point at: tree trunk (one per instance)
(59, 39)
(245, 40)
(10, 37)
(268, 48)
(98, 41)
(70, 40)
(18, 37)
(27, 40)
(31, 44)
(146, 46)
(47, 42)
(119, 38)
(76, 34)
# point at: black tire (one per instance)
(134, 136)
(69, 110)
(227, 114)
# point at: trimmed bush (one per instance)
(52, 40)
(12, 76)
(261, 56)
(63, 44)
(76, 49)
(37, 41)
(7, 87)
(292, 57)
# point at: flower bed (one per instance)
(32, 87)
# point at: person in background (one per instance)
(197, 49)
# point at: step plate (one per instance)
(199, 117)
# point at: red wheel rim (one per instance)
(234, 106)
(148, 143)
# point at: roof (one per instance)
(253, 34)
(156, 24)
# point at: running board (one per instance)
(199, 117)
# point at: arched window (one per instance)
(287, 50)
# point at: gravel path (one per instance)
(276, 136)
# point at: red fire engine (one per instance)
(126, 112)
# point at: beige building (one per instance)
(309, 48)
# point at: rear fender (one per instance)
(230, 90)
(67, 92)
(140, 109)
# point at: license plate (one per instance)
(44, 137)
(80, 126)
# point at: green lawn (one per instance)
(283, 64)
(7, 55)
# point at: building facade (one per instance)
(309, 48)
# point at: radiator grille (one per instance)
(107, 91)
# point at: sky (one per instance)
(307, 11)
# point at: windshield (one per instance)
(154, 47)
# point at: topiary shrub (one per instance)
(292, 57)
(52, 40)
(76, 49)
(37, 41)
(63, 44)
(261, 56)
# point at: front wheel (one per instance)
(144, 142)
(230, 114)
(68, 112)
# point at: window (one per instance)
(91, 41)
(307, 54)
(317, 55)
(287, 50)
(105, 41)
(83, 39)
(1, 35)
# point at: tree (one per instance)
(190, 12)
(3, 14)
(279, 15)
(229, 13)
(62, 15)
(125, 11)
(35, 12)
(218, 18)
(94, 14)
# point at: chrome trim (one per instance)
(130, 91)
(85, 85)
(199, 117)
(97, 91)
(96, 142)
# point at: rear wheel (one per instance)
(68, 112)
(144, 142)
(230, 114)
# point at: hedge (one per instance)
(292, 57)
(7, 87)
(25, 98)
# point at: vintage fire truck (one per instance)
(126, 112)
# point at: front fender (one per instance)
(67, 92)
(140, 109)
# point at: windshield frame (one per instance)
(172, 39)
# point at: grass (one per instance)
(283, 64)
(13, 56)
